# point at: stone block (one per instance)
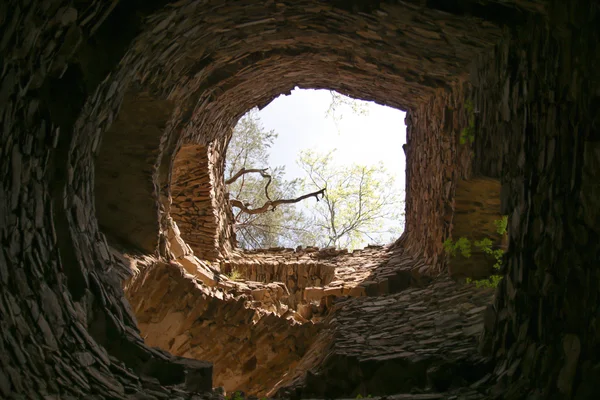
(313, 294)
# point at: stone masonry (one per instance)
(97, 98)
(286, 327)
(194, 204)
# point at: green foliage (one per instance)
(468, 133)
(490, 282)
(486, 246)
(357, 202)
(501, 225)
(338, 101)
(235, 274)
(236, 396)
(462, 246)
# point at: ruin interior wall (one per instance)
(435, 162)
(537, 99)
(66, 328)
(537, 129)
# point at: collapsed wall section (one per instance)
(250, 348)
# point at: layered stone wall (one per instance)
(284, 323)
(66, 328)
(192, 205)
(538, 96)
(435, 162)
(250, 348)
(125, 186)
(200, 205)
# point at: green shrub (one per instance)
(501, 225)
(463, 246)
(236, 396)
(490, 282)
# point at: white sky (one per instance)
(301, 122)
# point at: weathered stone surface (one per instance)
(396, 344)
(264, 337)
(125, 192)
(199, 205)
(546, 319)
(250, 347)
(529, 67)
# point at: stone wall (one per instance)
(126, 192)
(192, 201)
(66, 328)
(280, 317)
(538, 96)
(250, 348)
(435, 162)
(200, 205)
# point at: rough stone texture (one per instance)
(126, 205)
(539, 93)
(66, 330)
(289, 337)
(250, 348)
(435, 162)
(311, 274)
(193, 207)
(200, 205)
(420, 339)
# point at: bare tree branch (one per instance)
(271, 205)
(244, 171)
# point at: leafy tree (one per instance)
(357, 202)
(339, 101)
(252, 185)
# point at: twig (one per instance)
(271, 205)
(244, 171)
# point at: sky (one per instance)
(301, 121)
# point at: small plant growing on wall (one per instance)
(467, 135)
(501, 225)
(463, 246)
(234, 275)
(236, 396)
